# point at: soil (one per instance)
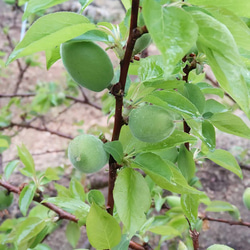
(218, 183)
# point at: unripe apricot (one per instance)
(87, 154)
(6, 199)
(88, 64)
(246, 198)
(151, 123)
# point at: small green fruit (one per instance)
(6, 199)
(142, 43)
(87, 154)
(173, 201)
(151, 123)
(246, 198)
(88, 64)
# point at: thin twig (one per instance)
(29, 126)
(75, 99)
(232, 223)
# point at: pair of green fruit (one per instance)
(147, 123)
(89, 65)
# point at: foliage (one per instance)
(188, 34)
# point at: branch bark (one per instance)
(29, 126)
(229, 222)
(118, 92)
(75, 99)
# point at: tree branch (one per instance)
(26, 95)
(118, 92)
(26, 125)
(232, 223)
(60, 212)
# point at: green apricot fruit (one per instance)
(6, 199)
(173, 201)
(87, 154)
(88, 64)
(246, 198)
(151, 123)
(142, 43)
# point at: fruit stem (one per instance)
(134, 33)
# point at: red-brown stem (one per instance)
(232, 223)
(193, 233)
(187, 70)
(136, 246)
(120, 86)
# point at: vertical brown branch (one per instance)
(193, 233)
(118, 92)
(187, 70)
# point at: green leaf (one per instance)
(4, 143)
(165, 230)
(127, 4)
(194, 95)
(208, 135)
(176, 102)
(10, 167)
(66, 25)
(219, 206)
(164, 173)
(35, 6)
(206, 88)
(42, 247)
(225, 160)
(151, 68)
(27, 229)
(124, 243)
(115, 149)
(62, 191)
(103, 231)
(231, 124)
(97, 197)
(219, 247)
(51, 174)
(179, 222)
(240, 8)
(33, 242)
(175, 139)
(26, 159)
(190, 204)
(186, 163)
(85, 3)
(213, 106)
(132, 199)
(52, 55)
(235, 24)
(26, 197)
(70, 205)
(182, 246)
(76, 189)
(223, 57)
(73, 233)
(172, 29)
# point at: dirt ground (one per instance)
(218, 183)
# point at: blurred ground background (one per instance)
(220, 184)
